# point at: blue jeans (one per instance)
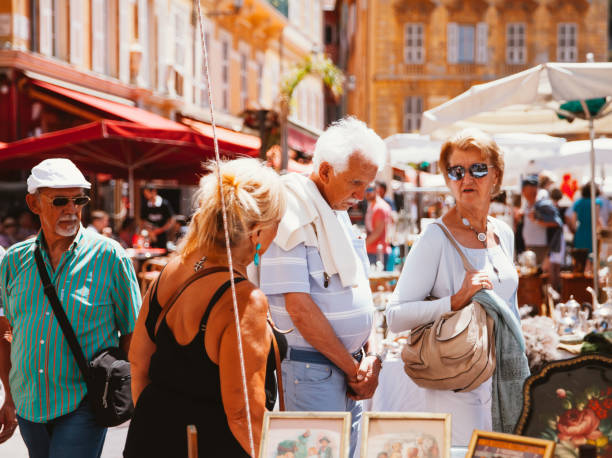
(74, 435)
(322, 388)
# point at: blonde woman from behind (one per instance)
(185, 361)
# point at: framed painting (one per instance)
(405, 435)
(486, 444)
(570, 403)
(318, 434)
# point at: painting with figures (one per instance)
(305, 434)
(405, 435)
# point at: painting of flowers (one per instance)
(584, 418)
(571, 404)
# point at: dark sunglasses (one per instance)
(78, 201)
(477, 170)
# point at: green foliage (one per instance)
(319, 65)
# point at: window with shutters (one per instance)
(143, 18)
(515, 43)
(126, 37)
(59, 29)
(467, 43)
(413, 110)
(76, 32)
(244, 80)
(225, 74)
(567, 49)
(414, 49)
(181, 26)
(200, 82)
(99, 32)
(45, 37)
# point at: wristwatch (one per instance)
(378, 355)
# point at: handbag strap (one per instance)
(62, 319)
(199, 274)
(279, 371)
(468, 266)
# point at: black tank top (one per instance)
(185, 389)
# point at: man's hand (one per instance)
(367, 379)
(8, 420)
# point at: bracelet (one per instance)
(378, 355)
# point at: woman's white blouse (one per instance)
(434, 268)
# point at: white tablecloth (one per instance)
(396, 392)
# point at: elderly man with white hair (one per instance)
(97, 288)
(315, 275)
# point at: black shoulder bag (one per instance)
(107, 375)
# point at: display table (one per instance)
(396, 392)
(530, 290)
(575, 284)
(385, 279)
(141, 254)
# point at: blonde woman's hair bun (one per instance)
(253, 193)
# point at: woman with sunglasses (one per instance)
(474, 169)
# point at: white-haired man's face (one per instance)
(347, 188)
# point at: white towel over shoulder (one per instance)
(310, 220)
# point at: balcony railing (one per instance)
(281, 5)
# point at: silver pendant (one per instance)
(482, 236)
(465, 222)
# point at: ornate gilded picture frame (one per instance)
(486, 444)
(324, 434)
(405, 434)
(570, 403)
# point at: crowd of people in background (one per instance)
(553, 219)
(24, 225)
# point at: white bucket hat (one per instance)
(56, 173)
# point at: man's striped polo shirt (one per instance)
(97, 286)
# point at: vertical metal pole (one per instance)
(284, 134)
(131, 189)
(593, 211)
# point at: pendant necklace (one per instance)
(482, 238)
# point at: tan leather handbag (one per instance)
(454, 352)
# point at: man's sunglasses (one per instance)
(477, 170)
(78, 201)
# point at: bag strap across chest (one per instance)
(467, 264)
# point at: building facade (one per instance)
(149, 53)
(403, 57)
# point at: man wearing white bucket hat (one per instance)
(97, 287)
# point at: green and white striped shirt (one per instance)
(96, 284)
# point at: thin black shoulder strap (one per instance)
(220, 291)
(197, 275)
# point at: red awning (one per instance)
(118, 148)
(109, 109)
(298, 140)
(230, 142)
(224, 136)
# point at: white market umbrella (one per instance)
(545, 86)
(577, 153)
